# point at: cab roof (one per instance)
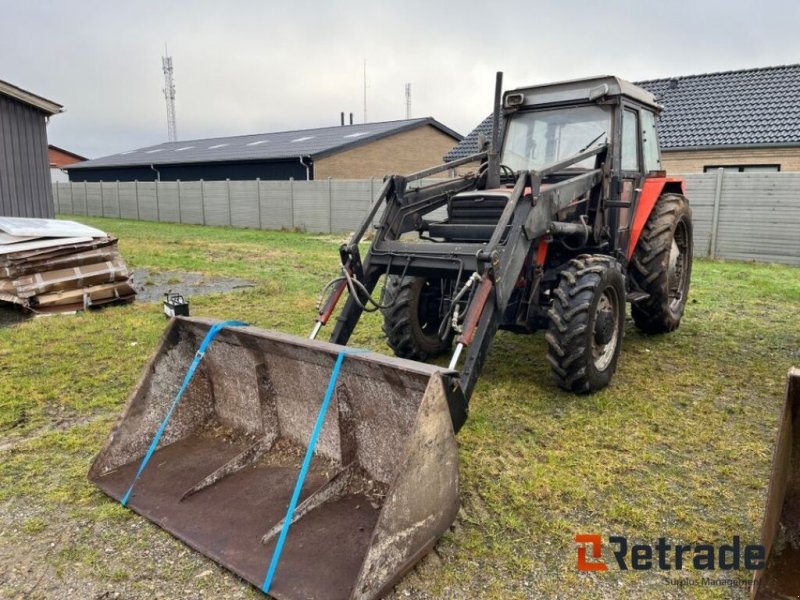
(577, 90)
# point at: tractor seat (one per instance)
(471, 216)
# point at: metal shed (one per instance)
(25, 189)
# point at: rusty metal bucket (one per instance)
(381, 489)
(780, 531)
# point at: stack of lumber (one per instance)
(50, 266)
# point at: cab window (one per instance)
(630, 143)
(650, 142)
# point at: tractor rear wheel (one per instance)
(661, 265)
(411, 323)
(587, 321)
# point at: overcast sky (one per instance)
(251, 67)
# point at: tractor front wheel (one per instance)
(411, 321)
(587, 321)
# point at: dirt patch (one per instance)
(152, 285)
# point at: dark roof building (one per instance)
(348, 151)
(741, 120)
(25, 189)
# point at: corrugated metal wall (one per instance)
(25, 189)
(746, 216)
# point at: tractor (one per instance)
(568, 217)
(564, 216)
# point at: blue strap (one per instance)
(312, 443)
(212, 333)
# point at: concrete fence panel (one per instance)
(244, 203)
(79, 199)
(312, 205)
(744, 216)
(190, 201)
(277, 211)
(700, 190)
(63, 196)
(94, 200)
(109, 199)
(217, 202)
(168, 202)
(147, 194)
(128, 200)
(350, 203)
(760, 217)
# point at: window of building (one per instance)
(742, 168)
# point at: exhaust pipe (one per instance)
(493, 169)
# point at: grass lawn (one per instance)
(679, 446)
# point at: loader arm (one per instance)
(529, 214)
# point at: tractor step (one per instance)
(634, 297)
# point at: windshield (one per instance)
(541, 137)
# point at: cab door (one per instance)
(630, 175)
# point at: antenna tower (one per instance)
(169, 96)
(365, 90)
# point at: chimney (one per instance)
(343, 119)
(351, 118)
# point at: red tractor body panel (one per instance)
(652, 189)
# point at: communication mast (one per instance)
(408, 101)
(169, 96)
(365, 90)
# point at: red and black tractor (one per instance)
(569, 216)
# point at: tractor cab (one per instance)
(549, 124)
(551, 130)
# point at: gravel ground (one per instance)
(151, 285)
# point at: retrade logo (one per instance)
(595, 543)
(666, 556)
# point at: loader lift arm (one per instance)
(529, 215)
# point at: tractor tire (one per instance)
(661, 265)
(411, 323)
(587, 321)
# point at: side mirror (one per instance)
(483, 142)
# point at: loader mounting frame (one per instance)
(529, 215)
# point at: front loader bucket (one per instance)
(381, 489)
(780, 531)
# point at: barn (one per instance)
(341, 152)
(24, 167)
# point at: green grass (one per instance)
(678, 446)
